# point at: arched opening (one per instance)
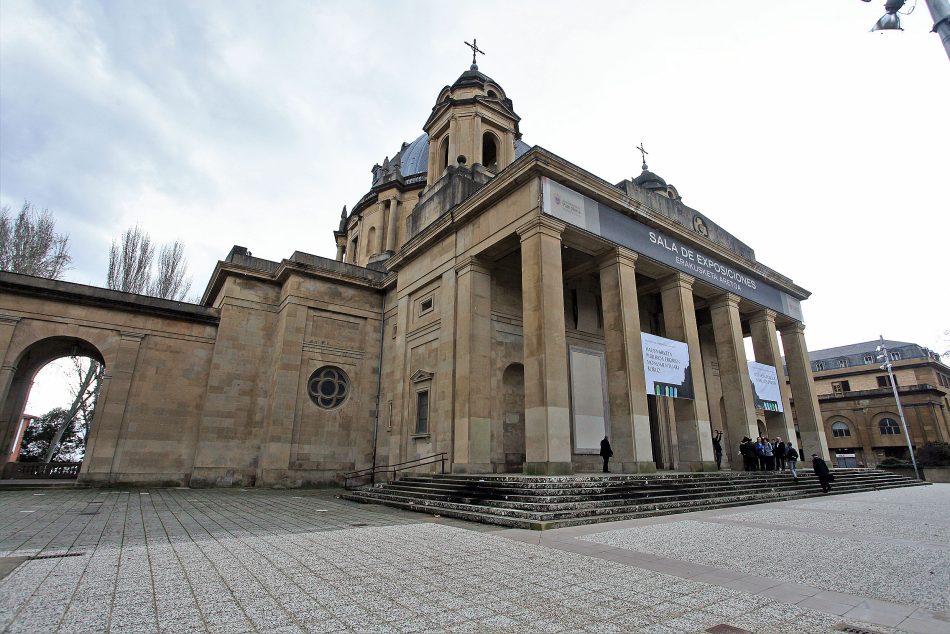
(492, 94)
(490, 151)
(513, 442)
(840, 429)
(49, 408)
(763, 430)
(354, 250)
(444, 152)
(371, 240)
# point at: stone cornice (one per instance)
(538, 162)
(82, 294)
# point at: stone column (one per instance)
(630, 435)
(547, 421)
(473, 368)
(765, 345)
(737, 396)
(104, 451)
(693, 435)
(391, 228)
(810, 424)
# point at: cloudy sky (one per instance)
(822, 146)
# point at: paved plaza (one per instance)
(181, 560)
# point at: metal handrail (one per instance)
(394, 468)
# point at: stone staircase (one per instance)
(542, 503)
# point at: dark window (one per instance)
(444, 152)
(328, 387)
(869, 359)
(885, 381)
(489, 152)
(425, 305)
(840, 387)
(889, 427)
(422, 412)
(840, 430)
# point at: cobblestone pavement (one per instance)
(180, 560)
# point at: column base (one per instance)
(705, 465)
(472, 467)
(548, 468)
(638, 467)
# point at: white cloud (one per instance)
(225, 123)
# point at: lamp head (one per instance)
(890, 21)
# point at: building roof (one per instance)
(856, 349)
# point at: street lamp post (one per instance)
(939, 11)
(900, 410)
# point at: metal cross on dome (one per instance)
(475, 49)
(643, 153)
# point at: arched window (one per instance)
(371, 239)
(889, 427)
(354, 249)
(840, 430)
(490, 151)
(444, 152)
(493, 94)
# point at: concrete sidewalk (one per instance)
(180, 560)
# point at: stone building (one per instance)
(857, 402)
(490, 301)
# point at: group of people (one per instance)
(763, 454)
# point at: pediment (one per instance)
(421, 375)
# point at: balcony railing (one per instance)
(880, 391)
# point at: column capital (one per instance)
(767, 315)
(795, 327)
(471, 264)
(677, 280)
(618, 256)
(541, 224)
(726, 299)
(9, 319)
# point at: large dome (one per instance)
(415, 155)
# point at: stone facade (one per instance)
(465, 314)
(858, 406)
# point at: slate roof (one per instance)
(853, 349)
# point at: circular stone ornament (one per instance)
(328, 387)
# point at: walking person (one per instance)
(717, 448)
(824, 474)
(779, 448)
(791, 458)
(606, 452)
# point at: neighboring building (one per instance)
(857, 402)
(487, 301)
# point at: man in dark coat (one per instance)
(606, 452)
(717, 448)
(747, 449)
(778, 450)
(822, 471)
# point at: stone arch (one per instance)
(763, 429)
(490, 148)
(444, 154)
(29, 356)
(513, 437)
(841, 427)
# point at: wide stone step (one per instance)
(538, 502)
(544, 511)
(543, 521)
(615, 493)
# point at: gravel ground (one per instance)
(846, 532)
(281, 562)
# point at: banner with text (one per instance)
(666, 367)
(765, 389)
(601, 220)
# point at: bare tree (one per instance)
(30, 245)
(170, 281)
(130, 267)
(130, 263)
(79, 415)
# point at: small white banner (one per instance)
(765, 389)
(666, 367)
